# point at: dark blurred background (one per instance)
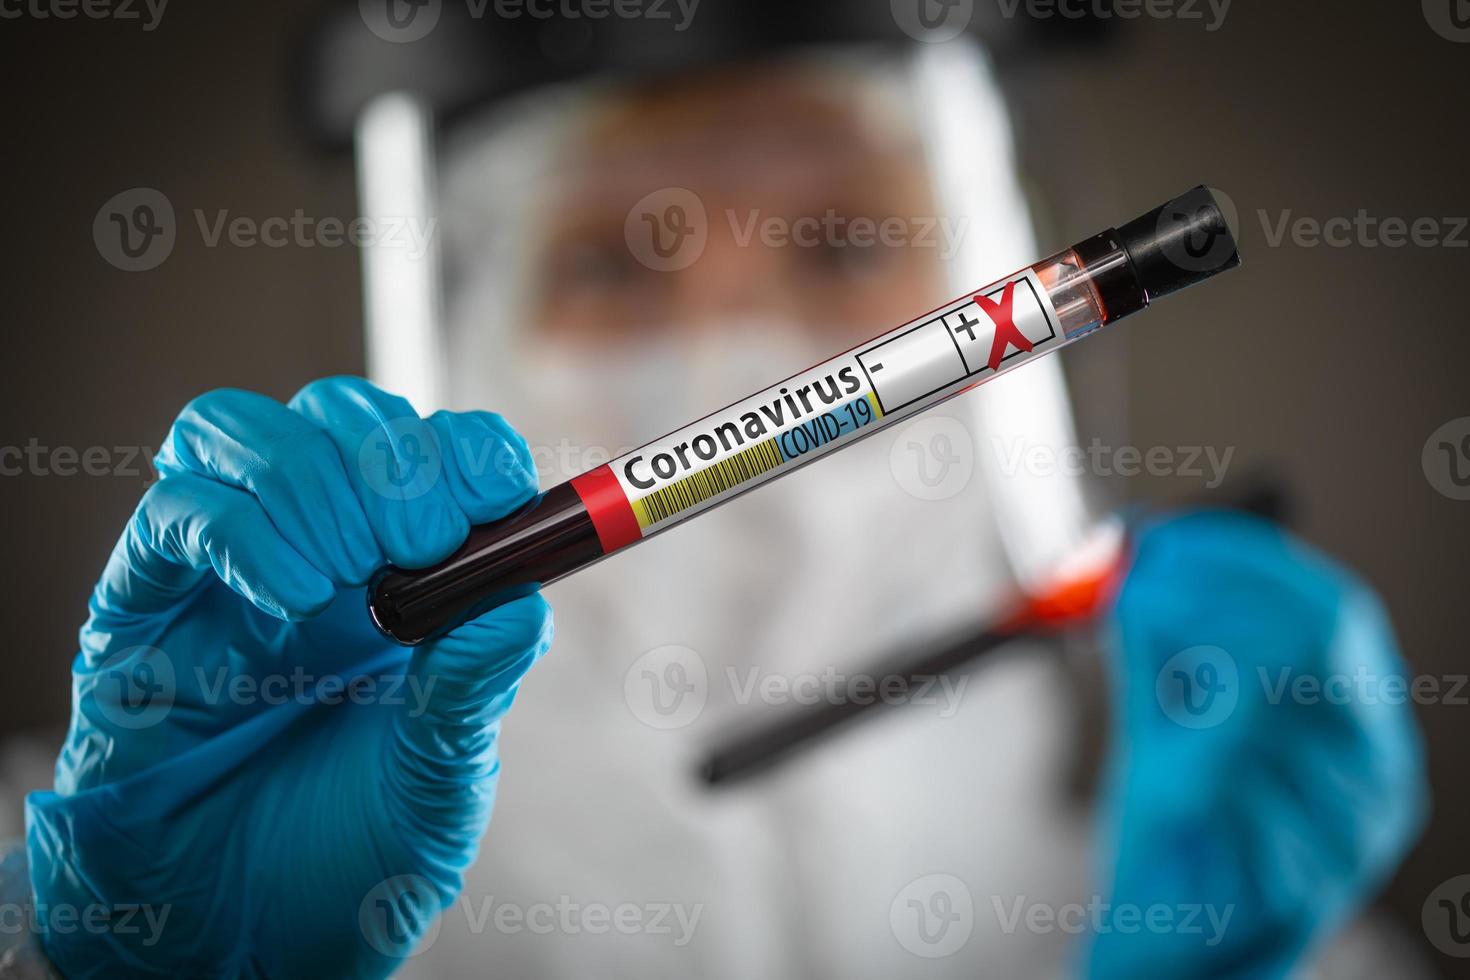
(1333, 364)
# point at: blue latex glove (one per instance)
(1273, 813)
(217, 773)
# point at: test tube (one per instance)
(945, 352)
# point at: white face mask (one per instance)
(625, 396)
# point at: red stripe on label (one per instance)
(608, 507)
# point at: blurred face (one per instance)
(818, 216)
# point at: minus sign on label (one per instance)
(877, 367)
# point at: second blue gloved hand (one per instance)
(271, 787)
(1267, 773)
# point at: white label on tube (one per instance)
(891, 377)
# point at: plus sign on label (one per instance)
(976, 336)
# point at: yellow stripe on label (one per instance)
(873, 401)
(713, 479)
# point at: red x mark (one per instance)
(1006, 332)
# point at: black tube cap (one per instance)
(1180, 243)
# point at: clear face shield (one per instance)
(618, 259)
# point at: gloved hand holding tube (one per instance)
(293, 795)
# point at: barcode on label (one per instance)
(699, 487)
